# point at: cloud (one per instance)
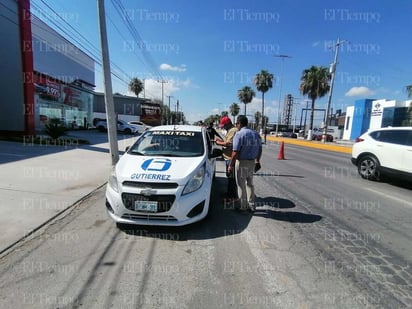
(168, 67)
(359, 91)
(153, 88)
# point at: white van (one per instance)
(164, 178)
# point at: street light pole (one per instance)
(163, 82)
(280, 87)
(332, 70)
(107, 81)
(169, 119)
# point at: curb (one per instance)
(312, 144)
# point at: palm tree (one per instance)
(263, 82)
(136, 86)
(409, 91)
(258, 117)
(234, 110)
(315, 84)
(245, 95)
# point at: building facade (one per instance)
(368, 114)
(43, 74)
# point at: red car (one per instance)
(318, 137)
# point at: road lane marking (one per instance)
(392, 197)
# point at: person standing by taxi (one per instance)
(227, 144)
(247, 151)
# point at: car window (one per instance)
(401, 137)
(169, 143)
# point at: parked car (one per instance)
(140, 125)
(384, 151)
(318, 137)
(291, 135)
(122, 126)
(164, 178)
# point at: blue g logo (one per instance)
(159, 165)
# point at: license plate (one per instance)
(145, 206)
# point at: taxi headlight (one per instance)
(113, 182)
(195, 182)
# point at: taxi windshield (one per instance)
(169, 144)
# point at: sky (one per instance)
(205, 51)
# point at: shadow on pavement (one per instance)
(221, 221)
(274, 202)
(15, 151)
(287, 216)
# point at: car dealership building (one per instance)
(45, 76)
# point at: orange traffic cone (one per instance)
(281, 155)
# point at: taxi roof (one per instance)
(177, 127)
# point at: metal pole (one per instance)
(108, 92)
(332, 80)
(163, 82)
(169, 119)
(280, 87)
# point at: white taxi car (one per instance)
(164, 178)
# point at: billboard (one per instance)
(150, 113)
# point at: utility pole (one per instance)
(163, 82)
(280, 87)
(332, 70)
(144, 88)
(169, 119)
(177, 112)
(108, 92)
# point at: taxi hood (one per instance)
(157, 168)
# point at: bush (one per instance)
(55, 128)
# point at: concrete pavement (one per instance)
(39, 182)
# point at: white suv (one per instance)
(384, 151)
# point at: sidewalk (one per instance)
(38, 182)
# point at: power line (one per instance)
(136, 36)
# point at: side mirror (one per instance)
(127, 149)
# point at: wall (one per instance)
(377, 114)
(347, 129)
(11, 68)
(361, 117)
(54, 56)
(128, 108)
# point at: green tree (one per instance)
(164, 112)
(54, 128)
(234, 110)
(314, 83)
(246, 95)
(409, 91)
(263, 82)
(136, 86)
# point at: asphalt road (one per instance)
(320, 238)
